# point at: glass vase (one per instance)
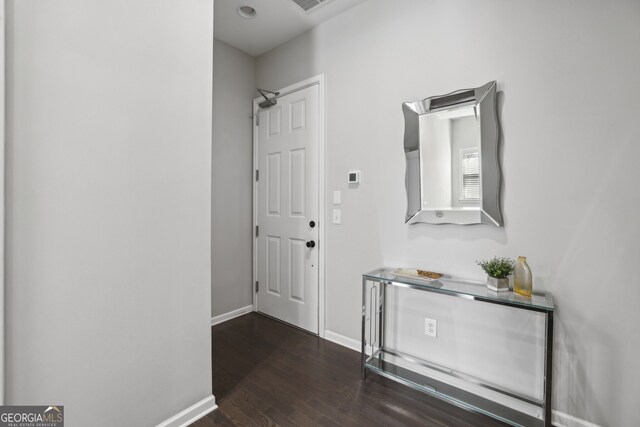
(522, 283)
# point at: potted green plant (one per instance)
(498, 271)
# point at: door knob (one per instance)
(311, 244)
(312, 224)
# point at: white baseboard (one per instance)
(231, 315)
(343, 341)
(192, 414)
(560, 419)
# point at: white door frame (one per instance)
(319, 80)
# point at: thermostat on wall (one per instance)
(354, 177)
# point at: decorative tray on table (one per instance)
(417, 274)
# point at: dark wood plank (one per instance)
(215, 418)
(266, 373)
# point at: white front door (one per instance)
(288, 209)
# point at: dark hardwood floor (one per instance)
(266, 373)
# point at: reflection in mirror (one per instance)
(451, 148)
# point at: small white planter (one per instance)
(498, 285)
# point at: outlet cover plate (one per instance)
(431, 327)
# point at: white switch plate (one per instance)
(336, 197)
(337, 216)
(431, 327)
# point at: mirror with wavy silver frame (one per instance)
(451, 148)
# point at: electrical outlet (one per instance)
(431, 327)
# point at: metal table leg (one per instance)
(381, 315)
(364, 341)
(548, 367)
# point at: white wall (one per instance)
(568, 73)
(234, 87)
(109, 207)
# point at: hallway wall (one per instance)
(108, 275)
(234, 87)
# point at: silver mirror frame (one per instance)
(484, 101)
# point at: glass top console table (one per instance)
(378, 358)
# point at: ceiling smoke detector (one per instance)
(309, 5)
(246, 12)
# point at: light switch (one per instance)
(337, 216)
(336, 197)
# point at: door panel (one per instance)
(273, 185)
(297, 251)
(297, 196)
(298, 115)
(275, 122)
(273, 264)
(287, 201)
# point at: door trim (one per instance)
(319, 80)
